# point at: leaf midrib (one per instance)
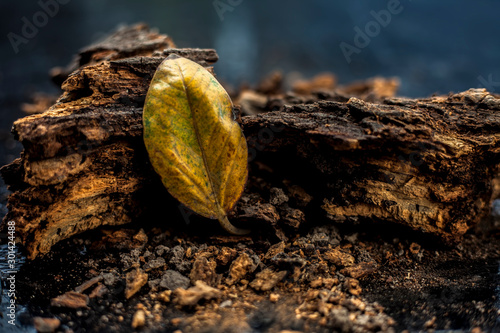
(220, 212)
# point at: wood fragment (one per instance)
(71, 299)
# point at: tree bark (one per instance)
(431, 164)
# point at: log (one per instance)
(431, 164)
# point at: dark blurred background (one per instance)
(432, 46)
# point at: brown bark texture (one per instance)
(351, 153)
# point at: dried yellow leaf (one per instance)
(192, 140)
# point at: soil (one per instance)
(324, 277)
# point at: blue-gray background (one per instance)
(432, 46)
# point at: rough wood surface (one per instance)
(351, 152)
(430, 164)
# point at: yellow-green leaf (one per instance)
(192, 140)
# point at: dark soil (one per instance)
(351, 277)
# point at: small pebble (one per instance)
(274, 298)
(165, 296)
(139, 319)
(226, 304)
(172, 280)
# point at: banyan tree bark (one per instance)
(431, 164)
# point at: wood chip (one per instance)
(71, 299)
